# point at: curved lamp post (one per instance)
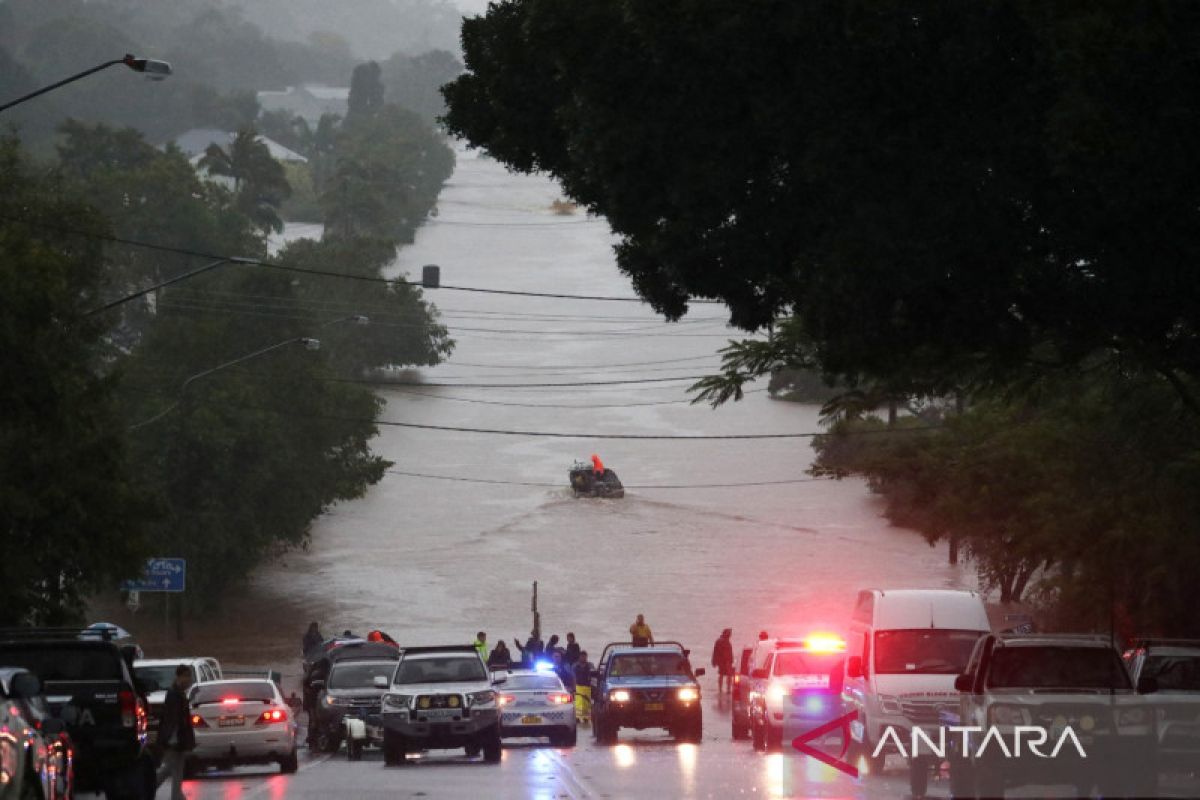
(152, 68)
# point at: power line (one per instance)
(478, 401)
(316, 272)
(461, 479)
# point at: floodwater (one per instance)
(433, 560)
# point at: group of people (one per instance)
(569, 662)
(722, 658)
(314, 639)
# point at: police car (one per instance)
(535, 703)
(797, 688)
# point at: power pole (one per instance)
(537, 618)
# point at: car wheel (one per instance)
(473, 750)
(962, 779)
(565, 739)
(328, 741)
(491, 748)
(290, 763)
(740, 732)
(30, 790)
(758, 740)
(918, 776)
(774, 737)
(393, 749)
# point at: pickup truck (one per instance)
(646, 687)
(88, 685)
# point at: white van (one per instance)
(904, 650)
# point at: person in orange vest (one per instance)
(597, 466)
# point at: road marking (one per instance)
(268, 784)
(574, 784)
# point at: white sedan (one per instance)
(537, 704)
(242, 722)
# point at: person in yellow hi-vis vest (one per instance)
(583, 688)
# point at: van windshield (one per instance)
(925, 651)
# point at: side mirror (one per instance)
(1147, 685)
(758, 674)
(25, 686)
(700, 672)
(964, 682)
(854, 667)
(379, 681)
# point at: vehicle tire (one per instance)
(918, 776)
(566, 739)
(474, 750)
(290, 763)
(190, 769)
(774, 738)
(491, 748)
(692, 729)
(354, 750)
(327, 741)
(989, 784)
(962, 779)
(757, 737)
(862, 750)
(393, 749)
(741, 732)
(30, 788)
(605, 733)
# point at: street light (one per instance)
(153, 69)
(308, 343)
(168, 282)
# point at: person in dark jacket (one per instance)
(531, 650)
(722, 660)
(312, 639)
(175, 735)
(571, 654)
(500, 657)
(552, 646)
(564, 673)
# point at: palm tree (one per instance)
(259, 183)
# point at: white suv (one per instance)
(440, 698)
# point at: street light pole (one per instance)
(153, 69)
(309, 344)
(168, 282)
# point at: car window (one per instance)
(648, 664)
(807, 664)
(533, 683)
(246, 691)
(155, 678)
(769, 663)
(359, 676)
(1056, 667)
(451, 669)
(923, 651)
(59, 663)
(1174, 673)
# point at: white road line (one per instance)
(266, 785)
(575, 785)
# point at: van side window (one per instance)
(769, 663)
(744, 667)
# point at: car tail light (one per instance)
(507, 699)
(198, 721)
(272, 715)
(129, 707)
(230, 701)
(559, 698)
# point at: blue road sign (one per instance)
(160, 575)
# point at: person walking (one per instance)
(480, 645)
(499, 658)
(722, 660)
(175, 735)
(583, 687)
(312, 639)
(571, 654)
(640, 633)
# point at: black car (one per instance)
(350, 689)
(88, 685)
(646, 687)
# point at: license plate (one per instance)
(654, 706)
(531, 720)
(230, 722)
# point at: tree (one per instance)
(366, 92)
(944, 195)
(72, 520)
(259, 183)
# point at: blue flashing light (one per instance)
(544, 666)
(814, 704)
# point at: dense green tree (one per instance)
(414, 82)
(259, 183)
(944, 194)
(366, 93)
(72, 520)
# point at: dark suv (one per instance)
(1174, 666)
(1072, 701)
(646, 687)
(88, 685)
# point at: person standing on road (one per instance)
(571, 654)
(175, 735)
(500, 658)
(722, 660)
(480, 645)
(552, 646)
(564, 673)
(532, 648)
(312, 639)
(640, 633)
(583, 687)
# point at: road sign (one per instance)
(160, 575)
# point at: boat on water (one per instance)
(595, 480)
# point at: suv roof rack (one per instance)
(1075, 637)
(1161, 641)
(61, 634)
(664, 643)
(449, 648)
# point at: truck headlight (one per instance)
(619, 695)
(776, 693)
(688, 694)
(1009, 715)
(336, 701)
(890, 705)
(481, 698)
(396, 702)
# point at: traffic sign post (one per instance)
(160, 575)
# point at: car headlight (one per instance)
(619, 695)
(1009, 715)
(688, 694)
(336, 701)
(481, 698)
(397, 701)
(776, 693)
(890, 705)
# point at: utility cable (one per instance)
(461, 479)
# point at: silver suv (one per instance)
(441, 698)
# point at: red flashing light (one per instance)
(507, 699)
(559, 698)
(825, 643)
(129, 708)
(230, 701)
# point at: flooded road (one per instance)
(433, 559)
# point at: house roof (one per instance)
(193, 143)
